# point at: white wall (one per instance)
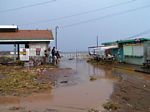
(34, 46)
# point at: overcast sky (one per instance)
(109, 19)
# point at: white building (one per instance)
(35, 42)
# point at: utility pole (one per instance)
(56, 28)
(97, 40)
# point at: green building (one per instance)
(132, 51)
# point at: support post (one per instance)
(18, 51)
(14, 52)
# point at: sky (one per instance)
(80, 22)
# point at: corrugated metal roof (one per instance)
(32, 35)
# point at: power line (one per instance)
(139, 34)
(82, 13)
(107, 16)
(27, 6)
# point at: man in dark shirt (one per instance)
(53, 55)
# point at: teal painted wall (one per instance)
(134, 60)
(139, 60)
(120, 56)
(114, 52)
(147, 50)
(134, 54)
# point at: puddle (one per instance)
(73, 92)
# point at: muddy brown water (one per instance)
(72, 92)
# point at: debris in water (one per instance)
(70, 58)
(16, 108)
(111, 106)
(50, 110)
(64, 82)
(93, 110)
(92, 78)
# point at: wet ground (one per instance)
(74, 91)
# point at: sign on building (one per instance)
(24, 54)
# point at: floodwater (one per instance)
(72, 92)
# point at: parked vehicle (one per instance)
(102, 52)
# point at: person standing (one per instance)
(53, 55)
(49, 55)
(57, 56)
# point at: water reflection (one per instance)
(84, 70)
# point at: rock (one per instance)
(64, 82)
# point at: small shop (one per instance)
(134, 50)
(104, 52)
(28, 44)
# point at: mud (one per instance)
(132, 91)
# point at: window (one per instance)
(127, 50)
(38, 50)
(133, 50)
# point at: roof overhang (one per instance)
(24, 41)
(110, 47)
(95, 47)
(8, 26)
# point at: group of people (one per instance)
(55, 56)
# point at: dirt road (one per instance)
(132, 91)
